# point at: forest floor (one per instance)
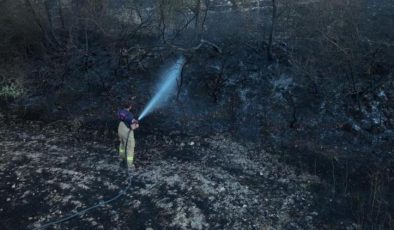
(180, 182)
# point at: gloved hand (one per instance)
(135, 126)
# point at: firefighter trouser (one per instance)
(127, 143)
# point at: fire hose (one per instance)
(99, 204)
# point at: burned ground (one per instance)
(181, 182)
(283, 116)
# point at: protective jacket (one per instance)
(126, 116)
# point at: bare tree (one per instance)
(201, 14)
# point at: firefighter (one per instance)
(127, 125)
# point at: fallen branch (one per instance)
(202, 42)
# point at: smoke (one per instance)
(166, 86)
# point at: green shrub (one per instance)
(11, 91)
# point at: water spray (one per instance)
(167, 86)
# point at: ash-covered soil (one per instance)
(48, 171)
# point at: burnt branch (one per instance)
(192, 49)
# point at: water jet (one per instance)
(166, 86)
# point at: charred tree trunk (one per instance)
(86, 46)
(272, 29)
(51, 30)
(201, 13)
(61, 14)
(35, 16)
(48, 41)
